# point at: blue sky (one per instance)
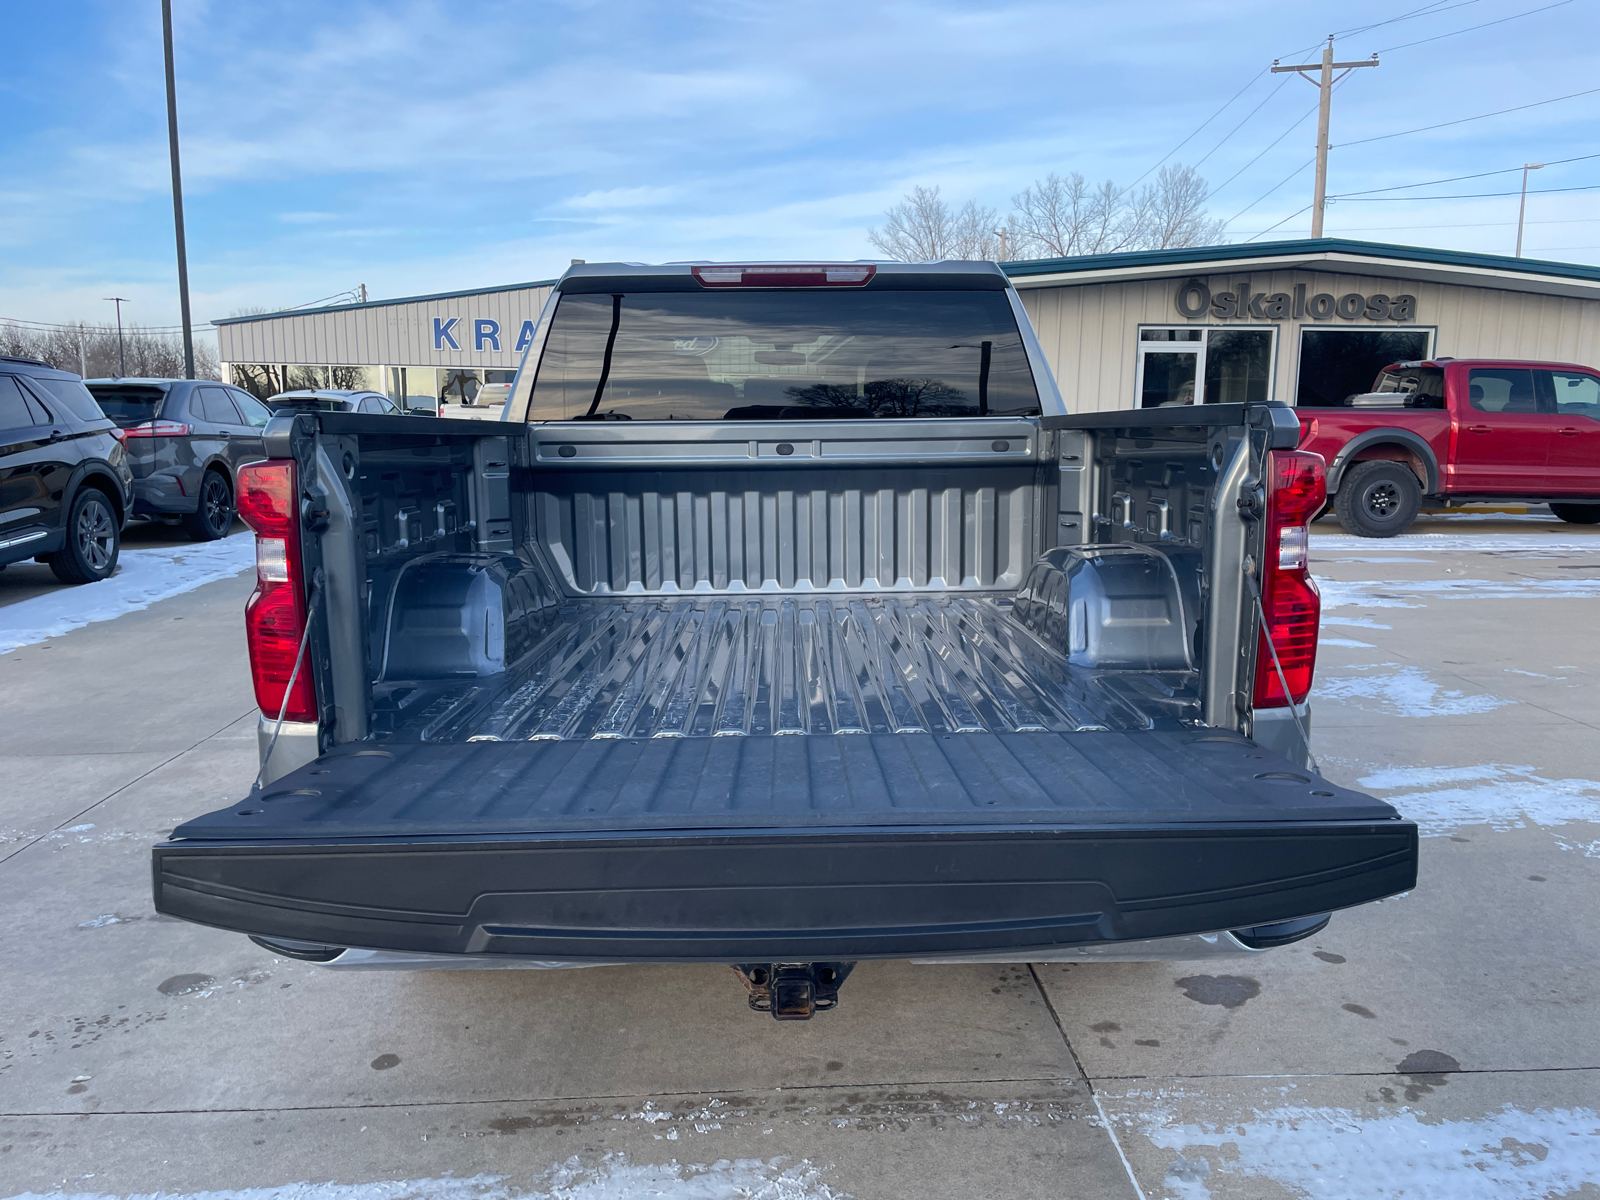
(419, 147)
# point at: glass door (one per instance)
(1170, 362)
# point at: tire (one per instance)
(1378, 499)
(213, 518)
(94, 540)
(1577, 514)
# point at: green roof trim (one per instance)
(1198, 256)
(333, 308)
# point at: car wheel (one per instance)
(94, 539)
(1378, 499)
(214, 517)
(1577, 514)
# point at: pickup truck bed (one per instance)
(786, 690)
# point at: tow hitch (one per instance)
(793, 991)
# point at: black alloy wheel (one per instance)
(1378, 499)
(94, 540)
(1577, 514)
(214, 516)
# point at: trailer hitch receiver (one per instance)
(793, 991)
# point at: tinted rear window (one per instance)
(71, 395)
(786, 354)
(129, 406)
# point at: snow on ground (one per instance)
(143, 577)
(1424, 543)
(1339, 1153)
(1409, 593)
(614, 1178)
(1500, 795)
(1403, 691)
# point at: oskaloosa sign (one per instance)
(1196, 299)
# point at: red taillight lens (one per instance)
(786, 275)
(1297, 488)
(275, 616)
(158, 429)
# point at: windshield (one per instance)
(129, 406)
(784, 354)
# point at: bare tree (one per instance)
(1055, 217)
(1171, 211)
(924, 228)
(93, 350)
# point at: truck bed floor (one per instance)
(787, 664)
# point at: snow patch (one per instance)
(1407, 692)
(615, 1177)
(1408, 593)
(1335, 1152)
(1504, 796)
(1355, 622)
(1350, 642)
(143, 577)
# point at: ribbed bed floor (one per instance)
(778, 665)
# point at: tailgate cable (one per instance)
(288, 688)
(1266, 630)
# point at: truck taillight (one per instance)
(1297, 487)
(275, 615)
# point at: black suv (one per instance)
(186, 440)
(66, 490)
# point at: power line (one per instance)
(1462, 121)
(1246, 120)
(1270, 190)
(1298, 121)
(1591, 187)
(1455, 178)
(1427, 10)
(1197, 130)
(1485, 25)
(1285, 221)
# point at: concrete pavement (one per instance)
(1439, 1043)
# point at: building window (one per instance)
(1336, 363)
(1223, 365)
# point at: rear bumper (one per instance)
(162, 493)
(1177, 949)
(821, 894)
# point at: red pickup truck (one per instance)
(1460, 431)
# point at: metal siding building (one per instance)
(1119, 330)
(1091, 312)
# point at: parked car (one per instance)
(487, 405)
(333, 400)
(186, 440)
(1461, 431)
(798, 624)
(66, 490)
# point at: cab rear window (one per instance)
(782, 355)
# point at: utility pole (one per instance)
(363, 293)
(1522, 208)
(83, 362)
(122, 358)
(1325, 80)
(177, 191)
(1001, 234)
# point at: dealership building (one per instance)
(1307, 322)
